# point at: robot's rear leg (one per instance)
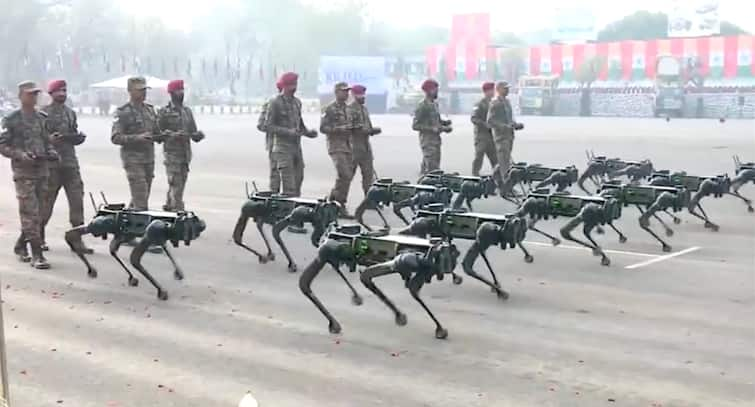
(604, 260)
(356, 299)
(677, 220)
(415, 285)
(270, 255)
(527, 256)
(468, 266)
(554, 240)
(747, 202)
(74, 235)
(238, 235)
(115, 244)
(305, 285)
(136, 261)
(622, 237)
(178, 274)
(703, 217)
(378, 270)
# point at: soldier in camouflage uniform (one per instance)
(360, 137)
(62, 123)
(275, 179)
(428, 123)
(135, 129)
(500, 119)
(336, 124)
(25, 139)
(178, 129)
(285, 123)
(483, 137)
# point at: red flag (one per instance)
(730, 56)
(651, 54)
(626, 59)
(535, 60)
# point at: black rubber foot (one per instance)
(292, 268)
(677, 221)
(262, 259)
(597, 252)
(133, 281)
(357, 300)
(666, 248)
(334, 327)
(401, 319)
(622, 239)
(750, 209)
(555, 242)
(605, 261)
(92, 273)
(441, 333)
(528, 258)
(457, 279)
(711, 226)
(669, 232)
(271, 257)
(162, 295)
(178, 275)
(502, 295)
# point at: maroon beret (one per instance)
(358, 90)
(289, 78)
(56, 85)
(488, 86)
(174, 85)
(429, 84)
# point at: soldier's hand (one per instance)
(310, 133)
(446, 122)
(197, 137)
(446, 129)
(26, 157)
(375, 130)
(518, 126)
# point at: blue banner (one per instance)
(366, 71)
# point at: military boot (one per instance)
(21, 250)
(38, 260)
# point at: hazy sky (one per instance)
(523, 16)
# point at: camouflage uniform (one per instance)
(500, 119)
(65, 173)
(138, 156)
(24, 138)
(178, 129)
(285, 123)
(360, 144)
(336, 124)
(483, 137)
(427, 122)
(275, 179)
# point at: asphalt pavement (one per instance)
(652, 329)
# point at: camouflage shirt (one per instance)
(62, 119)
(132, 120)
(262, 126)
(26, 133)
(362, 125)
(480, 116)
(336, 125)
(173, 119)
(285, 123)
(427, 117)
(500, 117)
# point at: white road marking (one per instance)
(584, 248)
(662, 258)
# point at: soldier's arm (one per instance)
(479, 116)
(326, 121)
(493, 119)
(263, 116)
(195, 134)
(76, 137)
(116, 133)
(419, 123)
(271, 121)
(7, 149)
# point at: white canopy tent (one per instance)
(121, 82)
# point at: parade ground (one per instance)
(652, 329)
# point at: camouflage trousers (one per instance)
(275, 177)
(32, 198)
(483, 146)
(140, 176)
(344, 163)
(177, 175)
(431, 146)
(69, 179)
(290, 166)
(504, 142)
(363, 160)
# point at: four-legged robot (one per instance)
(280, 212)
(526, 175)
(416, 260)
(653, 199)
(153, 227)
(399, 195)
(700, 187)
(485, 230)
(600, 169)
(466, 188)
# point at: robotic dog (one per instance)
(466, 188)
(416, 260)
(280, 212)
(700, 187)
(522, 174)
(600, 169)
(400, 195)
(507, 231)
(153, 227)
